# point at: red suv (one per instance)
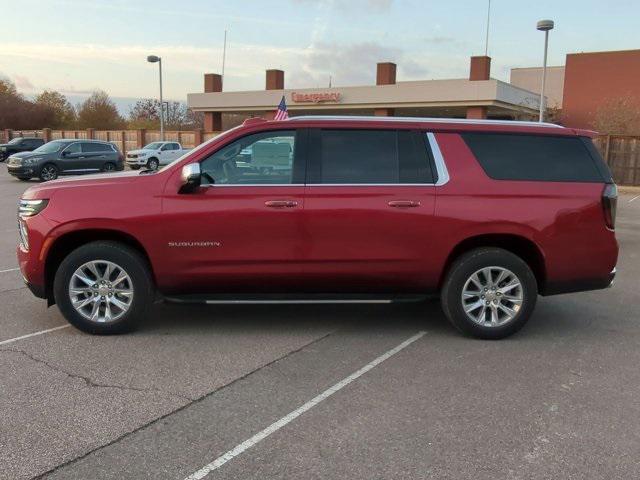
(321, 209)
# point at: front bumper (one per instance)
(22, 170)
(136, 161)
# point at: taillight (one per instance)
(610, 204)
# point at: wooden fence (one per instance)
(125, 140)
(621, 152)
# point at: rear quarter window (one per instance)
(534, 157)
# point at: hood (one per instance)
(47, 189)
(28, 154)
(140, 150)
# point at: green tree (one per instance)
(99, 111)
(63, 113)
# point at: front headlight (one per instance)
(29, 208)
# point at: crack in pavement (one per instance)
(179, 409)
(91, 383)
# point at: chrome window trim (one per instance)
(441, 166)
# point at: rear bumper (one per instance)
(582, 285)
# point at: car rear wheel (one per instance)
(109, 167)
(489, 293)
(48, 172)
(152, 164)
(103, 288)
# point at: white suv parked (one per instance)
(155, 154)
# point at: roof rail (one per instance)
(424, 119)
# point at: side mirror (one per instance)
(191, 178)
(65, 154)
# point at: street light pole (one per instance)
(544, 26)
(154, 59)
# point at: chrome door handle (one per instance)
(281, 203)
(403, 203)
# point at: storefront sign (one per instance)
(320, 97)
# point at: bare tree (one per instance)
(618, 116)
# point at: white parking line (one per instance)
(634, 198)
(274, 427)
(11, 340)
(9, 270)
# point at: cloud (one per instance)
(23, 83)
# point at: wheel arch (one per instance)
(66, 243)
(519, 245)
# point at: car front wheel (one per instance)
(103, 288)
(152, 164)
(48, 172)
(489, 293)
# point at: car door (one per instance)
(241, 231)
(94, 155)
(71, 159)
(369, 206)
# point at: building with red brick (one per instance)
(478, 96)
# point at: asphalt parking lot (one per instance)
(359, 392)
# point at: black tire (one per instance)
(109, 167)
(48, 172)
(460, 272)
(153, 164)
(126, 258)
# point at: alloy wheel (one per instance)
(492, 296)
(49, 172)
(101, 291)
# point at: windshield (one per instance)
(152, 146)
(14, 141)
(51, 147)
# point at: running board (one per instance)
(280, 299)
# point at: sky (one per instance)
(76, 46)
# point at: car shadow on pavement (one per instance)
(167, 318)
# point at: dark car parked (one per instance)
(20, 144)
(65, 157)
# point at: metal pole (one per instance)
(161, 105)
(486, 42)
(544, 76)
(224, 55)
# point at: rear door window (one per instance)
(368, 157)
(533, 157)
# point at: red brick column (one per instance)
(385, 75)
(46, 135)
(212, 120)
(7, 134)
(479, 69)
(90, 132)
(274, 81)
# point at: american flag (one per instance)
(282, 113)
